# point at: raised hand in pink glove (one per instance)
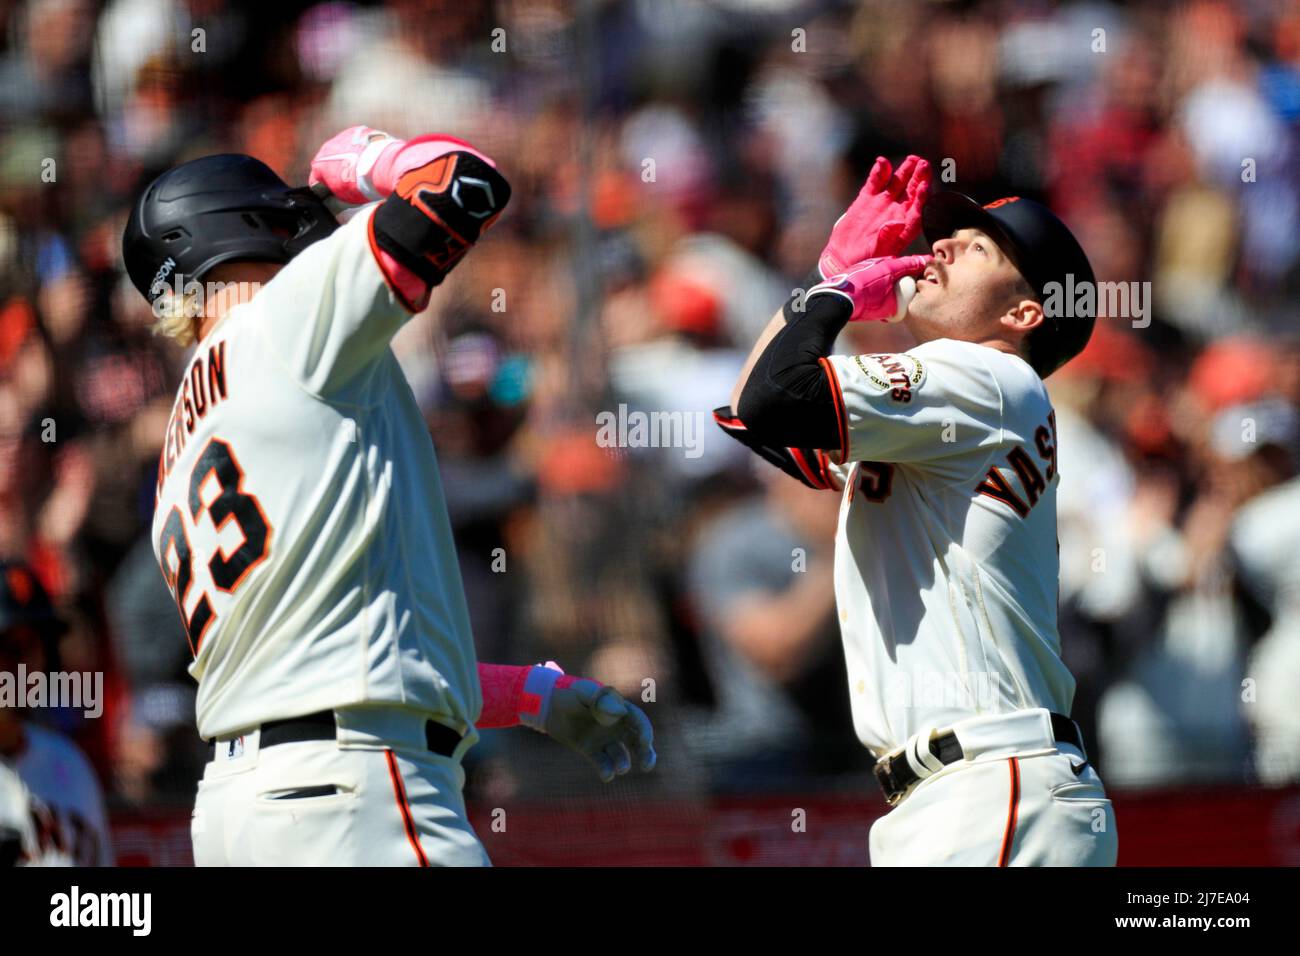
(361, 165)
(884, 218)
(879, 289)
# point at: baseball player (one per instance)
(946, 554)
(68, 825)
(18, 811)
(300, 519)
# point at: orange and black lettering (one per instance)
(1046, 449)
(189, 407)
(201, 387)
(997, 488)
(217, 371)
(181, 577)
(177, 434)
(200, 393)
(229, 571)
(877, 480)
(1030, 477)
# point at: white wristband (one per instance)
(540, 683)
(366, 164)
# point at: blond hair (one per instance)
(176, 317)
(179, 315)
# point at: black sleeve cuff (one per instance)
(788, 400)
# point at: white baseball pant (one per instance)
(1015, 800)
(376, 796)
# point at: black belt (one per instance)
(896, 775)
(439, 738)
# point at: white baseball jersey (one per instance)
(70, 822)
(300, 518)
(18, 843)
(946, 555)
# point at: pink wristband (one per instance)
(513, 695)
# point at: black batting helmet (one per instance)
(26, 610)
(212, 210)
(1044, 250)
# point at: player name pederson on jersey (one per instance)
(203, 388)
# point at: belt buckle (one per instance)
(885, 777)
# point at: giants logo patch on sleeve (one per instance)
(897, 373)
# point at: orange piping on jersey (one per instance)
(404, 808)
(1013, 812)
(823, 467)
(732, 422)
(841, 414)
(802, 463)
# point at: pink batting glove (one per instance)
(883, 219)
(879, 289)
(345, 162)
(361, 165)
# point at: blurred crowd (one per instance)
(677, 167)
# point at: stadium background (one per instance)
(677, 166)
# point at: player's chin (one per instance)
(928, 303)
(921, 321)
(917, 310)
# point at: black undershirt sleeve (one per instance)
(809, 465)
(787, 400)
